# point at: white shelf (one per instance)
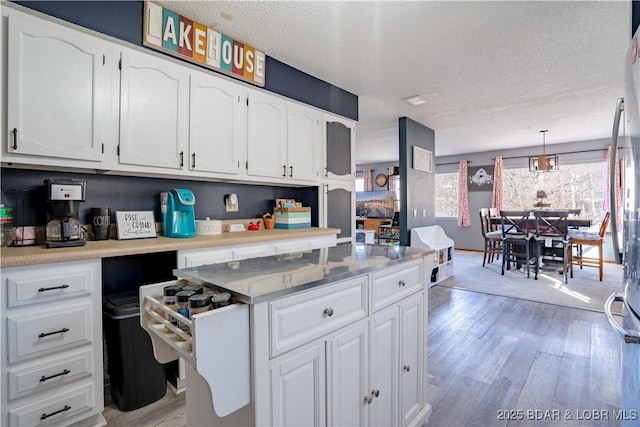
(434, 237)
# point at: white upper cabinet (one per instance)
(339, 148)
(304, 138)
(58, 92)
(284, 139)
(267, 136)
(218, 120)
(154, 111)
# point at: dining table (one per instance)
(572, 221)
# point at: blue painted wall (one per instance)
(123, 20)
(417, 191)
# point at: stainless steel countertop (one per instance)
(258, 279)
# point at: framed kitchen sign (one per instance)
(422, 159)
(135, 224)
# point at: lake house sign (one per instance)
(185, 38)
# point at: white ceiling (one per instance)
(494, 73)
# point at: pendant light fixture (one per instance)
(543, 162)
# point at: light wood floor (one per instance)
(489, 355)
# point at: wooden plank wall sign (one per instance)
(185, 38)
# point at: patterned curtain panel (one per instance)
(606, 200)
(366, 174)
(498, 183)
(464, 217)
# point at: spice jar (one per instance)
(199, 303)
(220, 299)
(182, 304)
(196, 289)
(169, 299)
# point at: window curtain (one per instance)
(606, 200)
(464, 217)
(497, 198)
(366, 174)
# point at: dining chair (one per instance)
(516, 236)
(492, 239)
(581, 239)
(552, 236)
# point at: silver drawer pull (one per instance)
(375, 393)
(45, 416)
(53, 288)
(402, 283)
(406, 368)
(328, 312)
(46, 334)
(65, 372)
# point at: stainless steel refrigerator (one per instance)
(628, 248)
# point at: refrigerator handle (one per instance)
(630, 337)
(612, 180)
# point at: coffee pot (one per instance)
(63, 203)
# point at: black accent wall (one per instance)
(142, 194)
(417, 191)
(123, 20)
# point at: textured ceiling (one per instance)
(493, 73)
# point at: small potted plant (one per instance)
(269, 220)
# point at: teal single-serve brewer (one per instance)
(178, 214)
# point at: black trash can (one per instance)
(135, 376)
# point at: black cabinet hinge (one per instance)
(104, 59)
(246, 165)
(118, 150)
(120, 64)
(103, 148)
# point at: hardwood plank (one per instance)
(578, 340)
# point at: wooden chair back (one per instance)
(605, 224)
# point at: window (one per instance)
(359, 184)
(574, 186)
(447, 195)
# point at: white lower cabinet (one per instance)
(322, 356)
(298, 389)
(348, 377)
(383, 396)
(52, 345)
(374, 367)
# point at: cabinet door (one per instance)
(217, 122)
(339, 153)
(304, 136)
(154, 111)
(58, 91)
(267, 136)
(339, 209)
(384, 368)
(349, 377)
(411, 356)
(298, 389)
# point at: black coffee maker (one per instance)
(63, 204)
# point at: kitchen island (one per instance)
(333, 336)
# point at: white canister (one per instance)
(208, 227)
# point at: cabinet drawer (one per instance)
(297, 246)
(303, 317)
(39, 333)
(50, 282)
(52, 373)
(395, 283)
(54, 410)
(252, 252)
(200, 257)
